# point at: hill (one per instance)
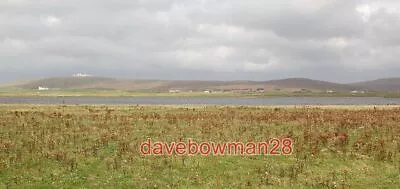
(380, 85)
(160, 85)
(305, 83)
(67, 82)
(90, 83)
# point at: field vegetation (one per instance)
(98, 147)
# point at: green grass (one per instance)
(58, 146)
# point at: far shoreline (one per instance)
(117, 93)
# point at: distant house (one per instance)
(40, 88)
(357, 92)
(174, 91)
(329, 91)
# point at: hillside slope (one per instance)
(381, 85)
(311, 84)
(159, 85)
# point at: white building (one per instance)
(354, 92)
(40, 88)
(174, 91)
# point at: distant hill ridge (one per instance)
(387, 84)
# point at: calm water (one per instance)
(203, 100)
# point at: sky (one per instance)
(331, 40)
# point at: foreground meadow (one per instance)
(98, 147)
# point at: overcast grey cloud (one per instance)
(334, 40)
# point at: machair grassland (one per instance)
(98, 147)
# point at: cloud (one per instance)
(51, 21)
(208, 39)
